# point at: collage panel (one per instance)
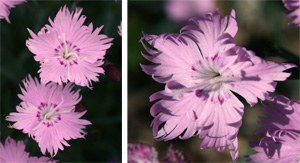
(61, 81)
(205, 79)
(201, 81)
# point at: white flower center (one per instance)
(68, 50)
(67, 53)
(207, 78)
(48, 114)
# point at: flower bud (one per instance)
(111, 71)
(79, 108)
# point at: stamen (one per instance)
(223, 79)
(211, 80)
(66, 53)
(63, 37)
(54, 109)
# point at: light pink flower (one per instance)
(282, 129)
(294, 15)
(141, 153)
(6, 5)
(13, 151)
(202, 68)
(182, 10)
(47, 114)
(68, 50)
(120, 29)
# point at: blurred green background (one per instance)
(262, 28)
(103, 140)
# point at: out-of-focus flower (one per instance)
(120, 29)
(68, 50)
(142, 153)
(139, 152)
(282, 129)
(294, 15)
(182, 10)
(12, 151)
(175, 156)
(47, 114)
(6, 5)
(201, 68)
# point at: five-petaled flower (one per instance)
(68, 50)
(12, 151)
(294, 15)
(6, 5)
(47, 114)
(282, 129)
(202, 67)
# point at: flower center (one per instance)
(216, 75)
(67, 52)
(208, 76)
(48, 113)
(210, 72)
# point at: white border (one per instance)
(124, 81)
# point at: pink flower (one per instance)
(6, 5)
(294, 15)
(120, 29)
(201, 68)
(282, 129)
(13, 151)
(138, 153)
(175, 156)
(47, 114)
(182, 10)
(142, 153)
(68, 50)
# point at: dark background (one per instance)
(262, 28)
(103, 103)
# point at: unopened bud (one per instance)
(111, 71)
(79, 108)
